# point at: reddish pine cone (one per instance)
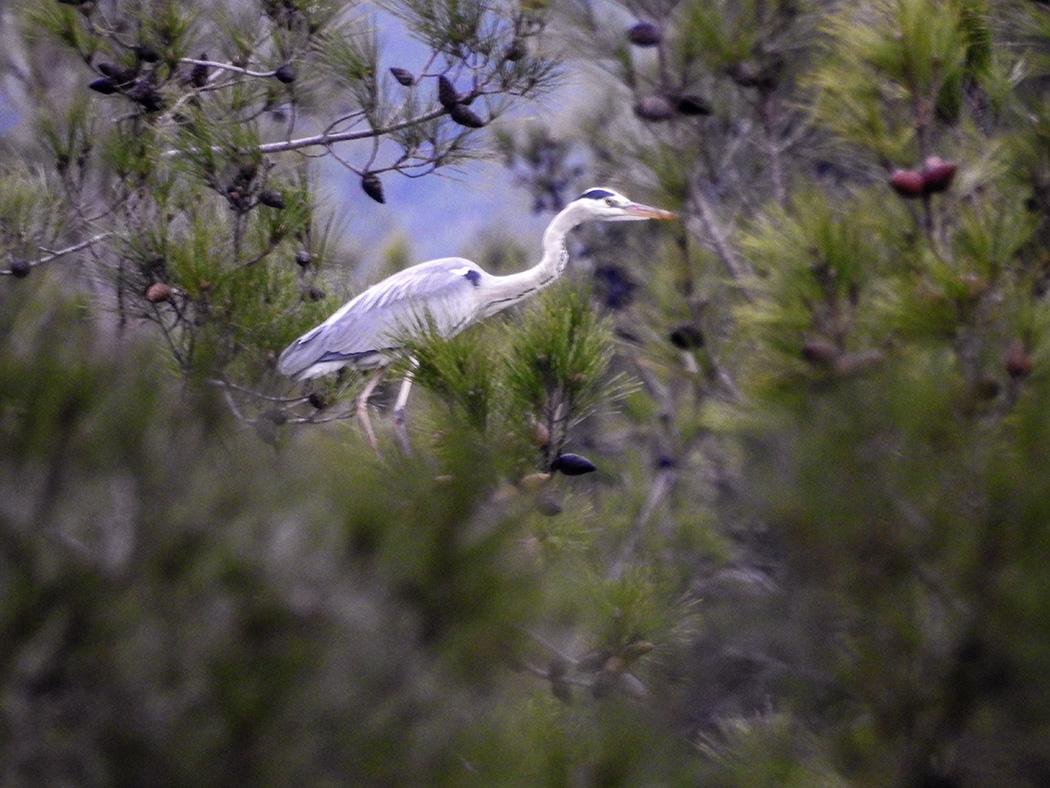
(908, 183)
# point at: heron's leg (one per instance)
(361, 406)
(399, 409)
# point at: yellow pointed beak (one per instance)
(648, 212)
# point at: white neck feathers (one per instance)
(506, 291)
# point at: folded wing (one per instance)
(442, 295)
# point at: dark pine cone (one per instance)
(447, 94)
(373, 187)
(573, 465)
(403, 76)
(465, 116)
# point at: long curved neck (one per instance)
(505, 291)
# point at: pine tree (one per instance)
(801, 538)
(857, 307)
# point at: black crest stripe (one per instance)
(595, 194)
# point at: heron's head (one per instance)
(606, 205)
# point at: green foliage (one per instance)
(541, 373)
(728, 36)
(226, 611)
(463, 376)
(557, 361)
(820, 262)
(813, 551)
(26, 223)
(878, 489)
(885, 69)
(862, 358)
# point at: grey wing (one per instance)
(364, 333)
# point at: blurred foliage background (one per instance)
(760, 498)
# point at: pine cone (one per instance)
(654, 109)
(20, 268)
(403, 76)
(158, 293)
(147, 54)
(573, 465)
(908, 183)
(119, 74)
(271, 198)
(373, 187)
(937, 174)
(144, 94)
(693, 105)
(199, 73)
(465, 116)
(104, 85)
(645, 34)
(447, 94)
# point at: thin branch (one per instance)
(544, 673)
(715, 233)
(261, 256)
(550, 646)
(352, 118)
(232, 404)
(55, 254)
(773, 150)
(222, 383)
(227, 67)
(659, 490)
(327, 139)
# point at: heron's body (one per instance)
(363, 333)
(444, 296)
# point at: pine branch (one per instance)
(189, 61)
(54, 255)
(328, 138)
(712, 230)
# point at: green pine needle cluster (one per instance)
(542, 371)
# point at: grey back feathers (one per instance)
(364, 333)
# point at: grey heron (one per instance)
(445, 296)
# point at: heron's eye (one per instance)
(610, 201)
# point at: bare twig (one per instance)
(544, 673)
(256, 394)
(226, 67)
(774, 151)
(327, 139)
(713, 231)
(55, 254)
(550, 646)
(659, 490)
